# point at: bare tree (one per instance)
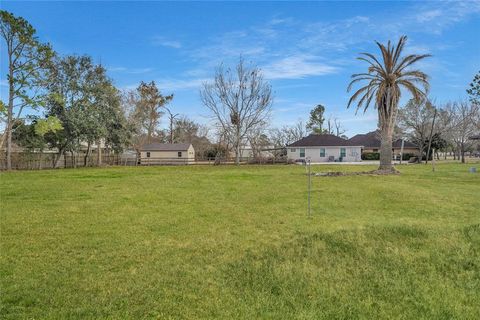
(171, 118)
(334, 127)
(239, 99)
(465, 115)
(281, 137)
(415, 120)
(258, 141)
(444, 125)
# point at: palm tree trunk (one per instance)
(386, 149)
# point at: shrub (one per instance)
(370, 156)
(407, 156)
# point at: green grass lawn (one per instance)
(203, 242)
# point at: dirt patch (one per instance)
(358, 173)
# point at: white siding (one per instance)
(353, 154)
(168, 157)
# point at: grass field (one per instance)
(226, 242)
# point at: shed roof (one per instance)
(165, 147)
(322, 140)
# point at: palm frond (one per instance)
(356, 94)
(399, 49)
(409, 60)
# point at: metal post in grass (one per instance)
(433, 160)
(308, 164)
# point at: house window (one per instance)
(293, 150)
(302, 152)
(343, 152)
(179, 154)
(375, 150)
(148, 154)
(322, 152)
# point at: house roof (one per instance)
(372, 140)
(322, 140)
(165, 147)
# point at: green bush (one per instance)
(371, 156)
(407, 156)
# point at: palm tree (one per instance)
(384, 83)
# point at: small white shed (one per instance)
(167, 153)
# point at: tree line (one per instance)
(69, 103)
(82, 110)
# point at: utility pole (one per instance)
(401, 150)
(171, 118)
(431, 134)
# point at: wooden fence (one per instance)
(38, 161)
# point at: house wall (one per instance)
(168, 157)
(353, 154)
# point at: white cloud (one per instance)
(435, 17)
(180, 84)
(297, 67)
(168, 85)
(130, 70)
(294, 107)
(161, 41)
(428, 15)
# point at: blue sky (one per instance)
(307, 50)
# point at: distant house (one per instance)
(371, 143)
(324, 148)
(476, 137)
(247, 152)
(163, 153)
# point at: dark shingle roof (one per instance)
(322, 140)
(372, 140)
(165, 147)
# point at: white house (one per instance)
(324, 148)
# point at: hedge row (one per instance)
(376, 156)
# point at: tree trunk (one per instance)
(386, 149)
(99, 154)
(57, 162)
(462, 152)
(237, 153)
(85, 159)
(9, 142)
(11, 93)
(40, 160)
(420, 153)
